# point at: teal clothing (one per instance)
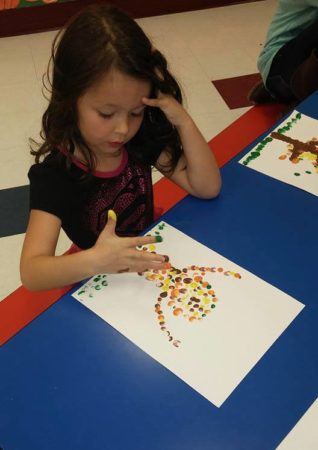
(290, 19)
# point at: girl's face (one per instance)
(111, 112)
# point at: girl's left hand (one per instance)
(173, 110)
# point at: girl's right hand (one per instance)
(114, 254)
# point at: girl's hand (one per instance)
(173, 110)
(114, 254)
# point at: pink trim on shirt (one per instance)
(98, 173)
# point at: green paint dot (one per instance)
(297, 174)
(97, 279)
(98, 287)
(308, 171)
(212, 306)
(159, 238)
(104, 283)
(209, 286)
(298, 115)
(81, 292)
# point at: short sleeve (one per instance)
(46, 189)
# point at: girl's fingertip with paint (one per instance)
(159, 238)
(112, 215)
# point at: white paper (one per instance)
(214, 353)
(273, 157)
(304, 435)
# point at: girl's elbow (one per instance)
(213, 192)
(27, 280)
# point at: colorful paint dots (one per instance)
(186, 293)
(256, 153)
(96, 284)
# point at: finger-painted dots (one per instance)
(188, 296)
(177, 311)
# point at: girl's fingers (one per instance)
(143, 240)
(152, 265)
(151, 101)
(148, 256)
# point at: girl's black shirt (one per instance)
(82, 202)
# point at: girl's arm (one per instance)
(196, 171)
(40, 269)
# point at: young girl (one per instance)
(115, 111)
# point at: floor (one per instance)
(200, 46)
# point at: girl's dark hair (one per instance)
(99, 38)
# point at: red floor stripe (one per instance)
(22, 306)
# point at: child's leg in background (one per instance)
(294, 70)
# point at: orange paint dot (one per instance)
(177, 311)
(220, 269)
(283, 157)
(192, 319)
(174, 293)
(171, 302)
(237, 275)
(214, 300)
(197, 279)
(161, 317)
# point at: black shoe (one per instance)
(260, 95)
